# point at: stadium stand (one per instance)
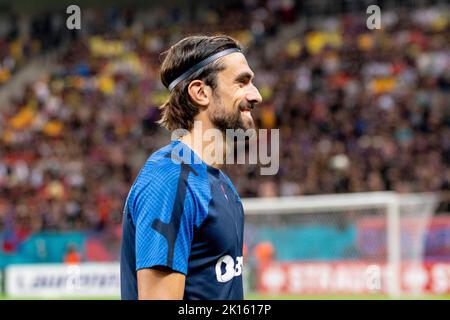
(357, 111)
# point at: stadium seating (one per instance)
(357, 111)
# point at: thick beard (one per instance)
(232, 120)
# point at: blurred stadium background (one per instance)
(360, 207)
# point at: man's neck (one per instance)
(206, 149)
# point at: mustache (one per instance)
(246, 106)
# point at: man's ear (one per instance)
(199, 93)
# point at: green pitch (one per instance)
(282, 297)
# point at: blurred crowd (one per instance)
(25, 37)
(72, 145)
(358, 110)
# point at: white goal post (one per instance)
(394, 205)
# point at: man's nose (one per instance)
(253, 95)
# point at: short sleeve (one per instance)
(164, 215)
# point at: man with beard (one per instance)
(183, 219)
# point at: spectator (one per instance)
(72, 256)
(357, 111)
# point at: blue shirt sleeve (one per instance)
(164, 214)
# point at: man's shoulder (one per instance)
(165, 176)
(158, 166)
(166, 167)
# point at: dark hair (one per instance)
(178, 111)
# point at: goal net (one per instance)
(358, 243)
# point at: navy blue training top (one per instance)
(186, 215)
